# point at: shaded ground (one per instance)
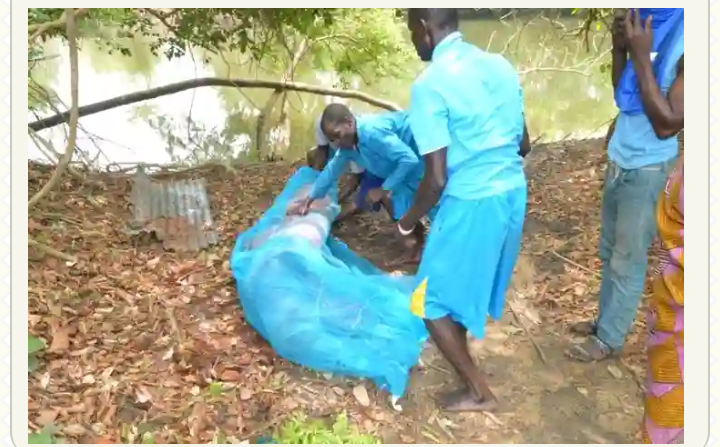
(146, 341)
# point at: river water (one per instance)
(567, 95)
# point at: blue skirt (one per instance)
(469, 258)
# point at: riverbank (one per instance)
(567, 94)
(144, 341)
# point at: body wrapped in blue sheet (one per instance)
(319, 304)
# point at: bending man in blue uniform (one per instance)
(466, 116)
(383, 145)
(319, 157)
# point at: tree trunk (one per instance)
(73, 114)
(169, 89)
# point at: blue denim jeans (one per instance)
(628, 227)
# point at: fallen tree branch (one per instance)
(177, 87)
(50, 251)
(72, 32)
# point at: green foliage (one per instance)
(44, 436)
(35, 345)
(40, 438)
(300, 430)
(175, 31)
(368, 42)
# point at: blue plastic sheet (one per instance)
(318, 303)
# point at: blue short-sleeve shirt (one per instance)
(470, 101)
(634, 143)
(385, 148)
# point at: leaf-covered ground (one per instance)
(143, 344)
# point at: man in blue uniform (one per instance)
(318, 158)
(466, 115)
(382, 145)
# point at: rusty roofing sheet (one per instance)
(178, 212)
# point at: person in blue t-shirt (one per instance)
(381, 144)
(466, 115)
(318, 158)
(648, 77)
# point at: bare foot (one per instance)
(463, 400)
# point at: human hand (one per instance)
(300, 207)
(377, 194)
(638, 35)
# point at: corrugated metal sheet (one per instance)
(178, 212)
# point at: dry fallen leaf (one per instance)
(46, 417)
(143, 395)
(361, 395)
(230, 375)
(60, 341)
(245, 394)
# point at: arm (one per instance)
(667, 116)
(610, 131)
(329, 176)
(429, 124)
(430, 189)
(323, 148)
(619, 50)
(404, 158)
(619, 61)
(525, 142)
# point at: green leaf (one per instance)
(216, 389)
(32, 363)
(40, 438)
(34, 344)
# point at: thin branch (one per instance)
(72, 33)
(39, 29)
(49, 152)
(557, 69)
(210, 82)
(51, 251)
(162, 17)
(580, 266)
